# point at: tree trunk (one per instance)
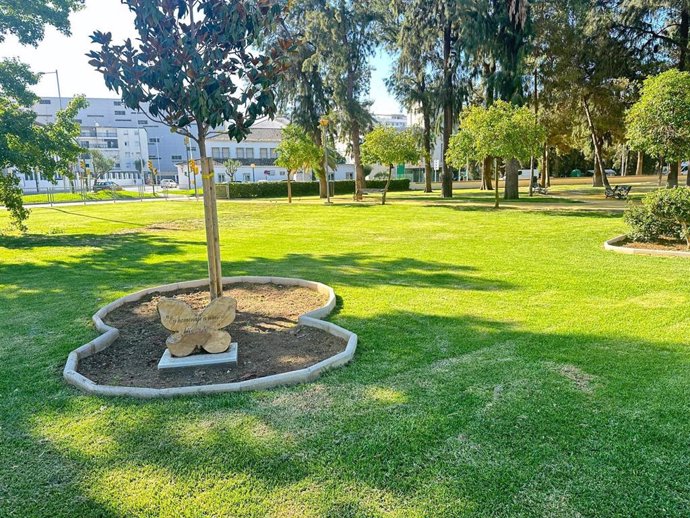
(486, 173)
(211, 219)
(447, 178)
(289, 186)
(496, 201)
(388, 184)
(531, 176)
(600, 179)
(640, 164)
(544, 168)
(359, 169)
(683, 30)
(511, 190)
(318, 169)
(427, 149)
(672, 179)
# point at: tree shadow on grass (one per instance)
(575, 212)
(497, 417)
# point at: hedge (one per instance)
(279, 189)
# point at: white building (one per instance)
(123, 145)
(256, 155)
(394, 120)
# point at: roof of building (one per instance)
(264, 130)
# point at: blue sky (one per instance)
(67, 55)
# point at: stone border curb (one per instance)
(612, 244)
(110, 334)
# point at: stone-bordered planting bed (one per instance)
(82, 366)
(617, 244)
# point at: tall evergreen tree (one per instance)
(344, 35)
(414, 79)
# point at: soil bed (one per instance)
(665, 244)
(269, 339)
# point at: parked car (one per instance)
(168, 184)
(106, 186)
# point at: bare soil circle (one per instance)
(270, 341)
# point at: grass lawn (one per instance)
(62, 197)
(507, 366)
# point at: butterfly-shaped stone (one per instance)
(195, 331)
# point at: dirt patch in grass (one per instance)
(664, 244)
(580, 379)
(269, 339)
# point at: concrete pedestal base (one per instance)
(168, 361)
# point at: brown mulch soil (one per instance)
(665, 244)
(269, 339)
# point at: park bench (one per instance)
(619, 192)
(380, 192)
(538, 189)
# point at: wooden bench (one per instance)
(619, 192)
(373, 191)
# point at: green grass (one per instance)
(507, 366)
(64, 197)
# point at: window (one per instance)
(221, 178)
(176, 157)
(141, 122)
(120, 112)
(249, 152)
(349, 176)
(45, 101)
(225, 152)
(273, 153)
(95, 116)
(282, 173)
(215, 152)
(240, 152)
(263, 152)
(123, 120)
(154, 140)
(117, 103)
(247, 177)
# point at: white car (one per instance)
(168, 184)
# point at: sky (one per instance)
(67, 55)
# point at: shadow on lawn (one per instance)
(575, 212)
(111, 262)
(471, 411)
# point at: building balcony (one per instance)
(248, 161)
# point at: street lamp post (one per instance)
(57, 78)
(253, 166)
(324, 127)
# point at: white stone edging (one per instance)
(612, 244)
(311, 319)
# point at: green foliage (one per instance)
(644, 226)
(197, 66)
(297, 151)
(231, 167)
(664, 213)
(387, 146)
(27, 146)
(279, 189)
(101, 164)
(27, 20)
(502, 130)
(659, 123)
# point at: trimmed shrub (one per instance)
(645, 226)
(663, 214)
(279, 189)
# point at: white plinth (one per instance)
(168, 361)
